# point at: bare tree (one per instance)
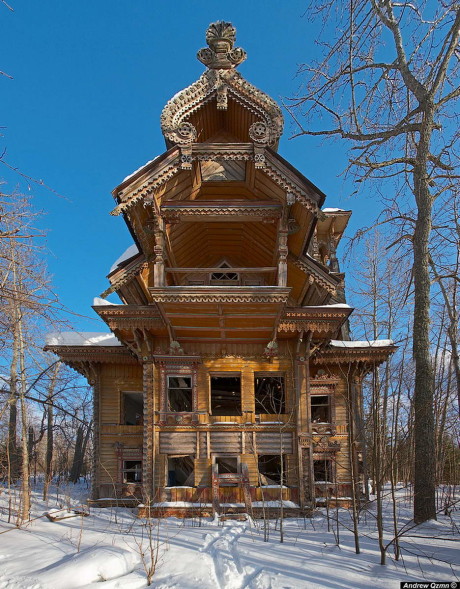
(387, 84)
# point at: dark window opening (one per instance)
(132, 408)
(269, 394)
(180, 394)
(227, 464)
(181, 471)
(132, 471)
(320, 409)
(225, 395)
(322, 471)
(272, 468)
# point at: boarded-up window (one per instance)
(274, 443)
(132, 408)
(202, 472)
(178, 442)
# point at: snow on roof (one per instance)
(378, 343)
(333, 210)
(76, 338)
(139, 169)
(98, 302)
(129, 253)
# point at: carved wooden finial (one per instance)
(221, 55)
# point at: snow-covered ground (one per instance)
(105, 550)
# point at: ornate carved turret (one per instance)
(221, 55)
(221, 102)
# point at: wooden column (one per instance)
(304, 437)
(159, 265)
(148, 451)
(96, 461)
(282, 252)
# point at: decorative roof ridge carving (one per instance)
(221, 53)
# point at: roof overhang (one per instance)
(217, 314)
(323, 322)
(366, 355)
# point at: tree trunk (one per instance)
(424, 436)
(78, 456)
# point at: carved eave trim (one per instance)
(319, 320)
(99, 354)
(176, 360)
(320, 382)
(218, 84)
(354, 355)
(222, 151)
(324, 327)
(264, 211)
(126, 317)
(122, 276)
(127, 311)
(326, 312)
(144, 183)
(206, 294)
(289, 178)
(336, 221)
(316, 273)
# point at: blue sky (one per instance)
(82, 111)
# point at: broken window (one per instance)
(132, 408)
(269, 394)
(226, 395)
(181, 471)
(227, 464)
(180, 393)
(271, 466)
(132, 471)
(320, 408)
(322, 470)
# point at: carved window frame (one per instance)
(324, 390)
(184, 371)
(129, 455)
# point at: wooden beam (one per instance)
(222, 270)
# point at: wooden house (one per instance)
(227, 375)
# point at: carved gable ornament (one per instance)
(218, 83)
